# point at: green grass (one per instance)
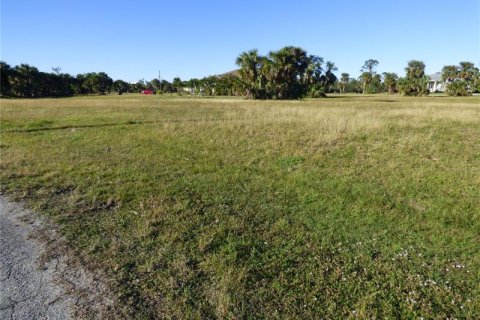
(351, 206)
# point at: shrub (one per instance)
(413, 87)
(459, 88)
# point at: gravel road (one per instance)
(38, 278)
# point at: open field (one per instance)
(350, 206)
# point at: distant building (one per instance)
(436, 84)
(229, 73)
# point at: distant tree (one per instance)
(104, 83)
(207, 85)
(370, 65)
(26, 81)
(344, 79)
(354, 86)
(155, 85)
(120, 86)
(460, 80)
(6, 78)
(458, 87)
(194, 85)
(415, 83)
(177, 84)
(329, 79)
(288, 73)
(97, 83)
(449, 73)
(467, 71)
(166, 87)
(78, 87)
(415, 69)
(365, 78)
(140, 85)
(376, 86)
(229, 85)
(314, 70)
(476, 80)
(56, 70)
(368, 72)
(250, 63)
(56, 84)
(390, 81)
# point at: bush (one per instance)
(459, 88)
(413, 87)
(319, 93)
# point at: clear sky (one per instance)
(131, 40)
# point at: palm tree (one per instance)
(467, 70)
(365, 78)
(344, 79)
(330, 78)
(369, 66)
(415, 82)
(314, 69)
(288, 67)
(415, 69)
(390, 81)
(449, 73)
(368, 72)
(250, 64)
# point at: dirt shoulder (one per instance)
(40, 277)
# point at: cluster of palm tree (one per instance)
(372, 81)
(415, 83)
(461, 80)
(288, 73)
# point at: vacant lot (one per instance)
(350, 206)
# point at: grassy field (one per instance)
(345, 207)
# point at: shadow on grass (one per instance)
(101, 125)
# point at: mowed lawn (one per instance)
(344, 207)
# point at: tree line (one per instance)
(291, 73)
(288, 73)
(26, 81)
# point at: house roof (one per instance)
(436, 76)
(232, 73)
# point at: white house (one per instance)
(436, 84)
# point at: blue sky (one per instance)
(132, 40)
